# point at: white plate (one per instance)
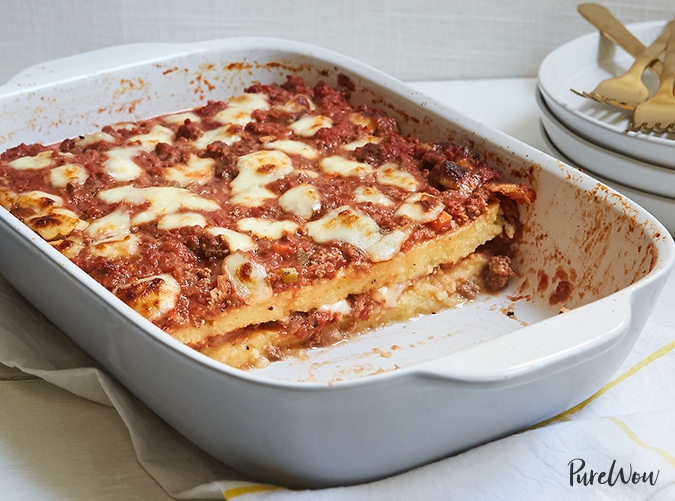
(662, 208)
(581, 65)
(610, 165)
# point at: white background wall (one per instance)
(410, 39)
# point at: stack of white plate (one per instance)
(592, 136)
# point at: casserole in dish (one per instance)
(404, 396)
(279, 220)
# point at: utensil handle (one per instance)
(668, 73)
(655, 49)
(611, 27)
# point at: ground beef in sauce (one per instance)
(194, 257)
(498, 272)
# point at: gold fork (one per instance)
(658, 113)
(611, 28)
(628, 90)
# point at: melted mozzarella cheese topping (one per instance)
(37, 201)
(94, 138)
(162, 201)
(123, 126)
(247, 277)
(157, 134)
(196, 170)
(390, 174)
(180, 220)
(390, 294)
(39, 161)
(421, 208)
(152, 297)
(307, 126)
(116, 248)
(51, 221)
(179, 118)
(357, 228)
(7, 198)
(236, 241)
(297, 104)
(302, 200)
(294, 148)
(339, 166)
(266, 228)
(55, 222)
(305, 173)
(60, 177)
(360, 143)
(389, 245)
(239, 109)
(256, 170)
(365, 194)
(113, 225)
(120, 165)
(346, 225)
(342, 307)
(360, 119)
(69, 247)
(222, 134)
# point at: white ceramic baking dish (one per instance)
(395, 399)
(663, 208)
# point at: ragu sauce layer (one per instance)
(280, 218)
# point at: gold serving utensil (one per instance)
(658, 113)
(628, 90)
(612, 29)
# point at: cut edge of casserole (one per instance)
(444, 287)
(417, 262)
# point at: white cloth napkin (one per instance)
(622, 438)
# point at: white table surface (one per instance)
(57, 446)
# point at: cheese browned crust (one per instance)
(276, 220)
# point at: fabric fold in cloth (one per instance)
(619, 444)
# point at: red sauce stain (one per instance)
(517, 298)
(560, 274)
(562, 292)
(508, 312)
(128, 108)
(209, 85)
(127, 85)
(525, 285)
(240, 66)
(169, 71)
(543, 282)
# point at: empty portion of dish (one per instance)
(659, 206)
(280, 219)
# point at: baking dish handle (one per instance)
(91, 63)
(553, 344)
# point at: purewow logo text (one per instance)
(581, 476)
